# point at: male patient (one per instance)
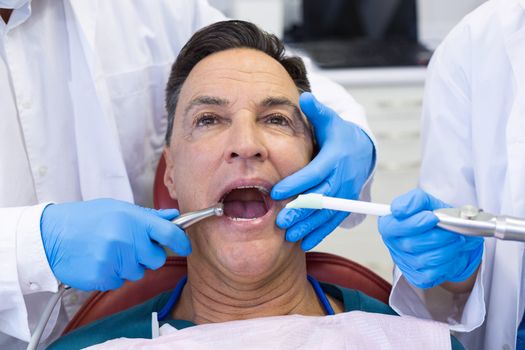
(234, 130)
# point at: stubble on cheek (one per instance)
(194, 174)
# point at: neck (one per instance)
(210, 296)
(5, 14)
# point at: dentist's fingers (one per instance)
(426, 241)
(288, 217)
(430, 277)
(317, 113)
(317, 219)
(110, 284)
(166, 214)
(435, 257)
(169, 235)
(392, 228)
(313, 174)
(149, 254)
(314, 238)
(129, 268)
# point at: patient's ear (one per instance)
(168, 173)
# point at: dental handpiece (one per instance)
(188, 219)
(472, 221)
(467, 220)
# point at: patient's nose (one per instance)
(245, 142)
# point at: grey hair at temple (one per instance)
(222, 36)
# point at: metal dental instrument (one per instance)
(467, 220)
(471, 221)
(183, 221)
(188, 219)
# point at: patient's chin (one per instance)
(250, 261)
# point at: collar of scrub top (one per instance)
(175, 296)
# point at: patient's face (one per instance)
(237, 132)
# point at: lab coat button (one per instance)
(42, 171)
(506, 347)
(34, 286)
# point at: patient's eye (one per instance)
(277, 119)
(206, 120)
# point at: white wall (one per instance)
(271, 15)
(437, 17)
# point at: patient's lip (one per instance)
(249, 224)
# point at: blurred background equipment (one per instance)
(359, 33)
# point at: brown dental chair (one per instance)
(322, 266)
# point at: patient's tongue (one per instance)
(246, 203)
(244, 209)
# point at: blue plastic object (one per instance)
(427, 255)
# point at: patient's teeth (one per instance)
(243, 219)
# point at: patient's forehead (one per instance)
(240, 75)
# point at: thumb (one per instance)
(413, 202)
(317, 113)
(166, 214)
(169, 235)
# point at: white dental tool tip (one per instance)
(308, 201)
(318, 201)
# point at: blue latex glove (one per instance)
(98, 244)
(427, 255)
(340, 169)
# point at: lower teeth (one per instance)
(242, 219)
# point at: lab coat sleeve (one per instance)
(26, 275)
(337, 97)
(447, 173)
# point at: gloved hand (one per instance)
(427, 255)
(340, 169)
(97, 244)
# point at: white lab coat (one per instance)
(120, 54)
(473, 136)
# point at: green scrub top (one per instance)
(135, 322)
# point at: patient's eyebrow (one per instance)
(206, 101)
(283, 101)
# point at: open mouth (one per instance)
(246, 202)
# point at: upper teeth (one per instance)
(260, 188)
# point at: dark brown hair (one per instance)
(222, 36)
